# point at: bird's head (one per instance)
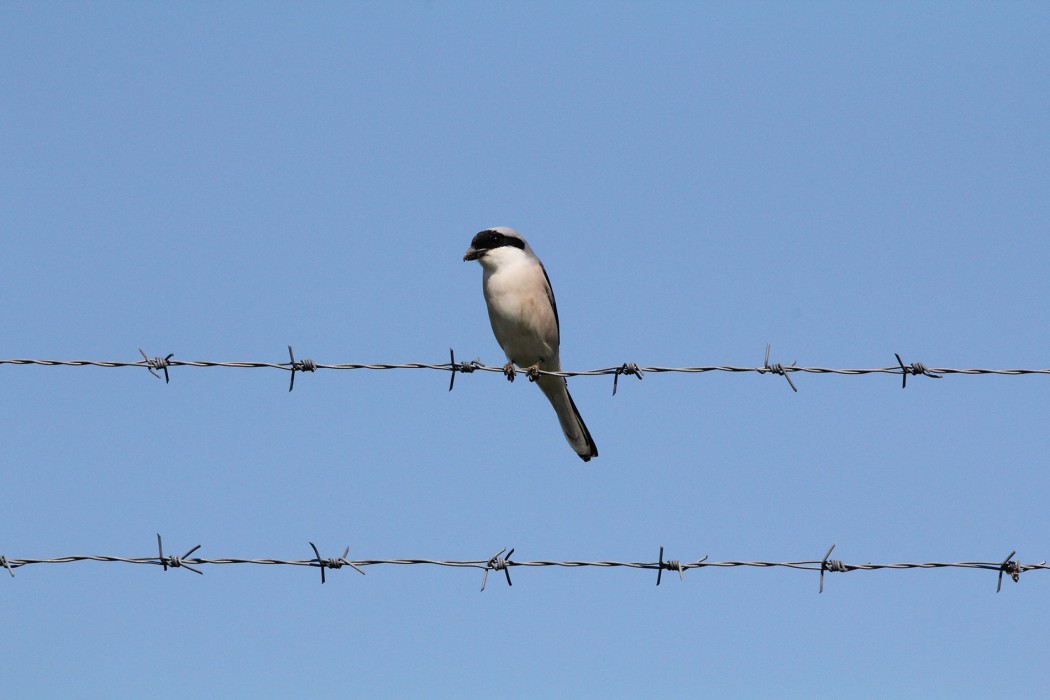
(496, 244)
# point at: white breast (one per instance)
(520, 311)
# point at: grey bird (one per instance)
(524, 318)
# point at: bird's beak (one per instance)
(471, 254)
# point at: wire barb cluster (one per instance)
(499, 562)
(161, 364)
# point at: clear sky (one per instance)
(220, 180)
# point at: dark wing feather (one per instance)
(550, 295)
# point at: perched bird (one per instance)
(524, 320)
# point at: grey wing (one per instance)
(550, 295)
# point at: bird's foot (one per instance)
(508, 369)
(533, 372)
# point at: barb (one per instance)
(675, 565)
(301, 366)
(499, 562)
(333, 563)
(157, 363)
(464, 367)
(452, 366)
(913, 368)
(627, 368)
(777, 368)
(175, 561)
(1009, 567)
(830, 565)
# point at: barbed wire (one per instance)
(161, 364)
(501, 561)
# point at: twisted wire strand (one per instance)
(477, 366)
(809, 564)
(1008, 566)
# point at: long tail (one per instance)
(557, 392)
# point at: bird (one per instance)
(524, 318)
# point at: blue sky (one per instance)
(220, 180)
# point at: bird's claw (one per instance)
(508, 369)
(533, 372)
